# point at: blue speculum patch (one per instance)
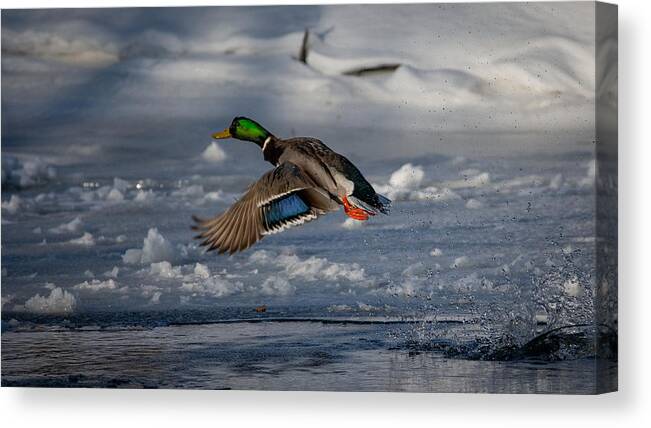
(285, 208)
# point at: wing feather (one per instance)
(287, 187)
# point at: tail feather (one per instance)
(384, 204)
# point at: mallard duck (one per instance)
(309, 180)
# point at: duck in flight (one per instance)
(309, 180)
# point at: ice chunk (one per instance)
(58, 302)
(312, 268)
(460, 262)
(339, 308)
(201, 271)
(120, 185)
(473, 204)
(193, 191)
(115, 196)
(13, 204)
(113, 273)
(213, 286)
(277, 286)
(155, 297)
(165, 269)
(97, 285)
(86, 239)
(73, 226)
(436, 252)
(556, 182)
(25, 173)
(351, 223)
(156, 248)
(145, 196)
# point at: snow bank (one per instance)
(58, 302)
(213, 153)
(156, 248)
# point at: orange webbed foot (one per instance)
(354, 212)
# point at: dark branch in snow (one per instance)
(302, 54)
(376, 69)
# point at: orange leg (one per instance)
(353, 212)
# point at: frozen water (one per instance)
(483, 137)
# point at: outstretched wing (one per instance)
(283, 197)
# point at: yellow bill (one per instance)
(226, 133)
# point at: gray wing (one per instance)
(283, 197)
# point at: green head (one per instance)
(245, 129)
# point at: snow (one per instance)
(478, 180)
(277, 286)
(436, 252)
(339, 308)
(114, 195)
(192, 191)
(408, 183)
(202, 271)
(460, 262)
(483, 104)
(86, 239)
(96, 285)
(59, 301)
(164, 269)
(408, 177)
(213, 153)
(12, 206)
(156, 248)
(212, 286)
(473, 204)
(26, 172)
(351, 223)
(556, 182)
(145, 196)
(113, 273)
(310, 269)
(73, 226)
(120, 185)
(472, 283)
